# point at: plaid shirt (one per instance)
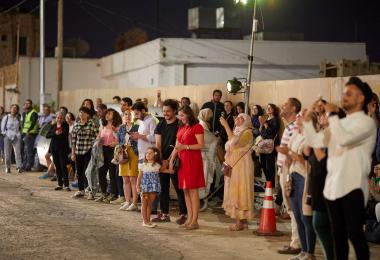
(83, 136)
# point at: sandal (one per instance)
(185, 225)
(192, 227)
(236, 227)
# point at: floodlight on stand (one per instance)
(234, 86)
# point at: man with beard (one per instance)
(166, 134)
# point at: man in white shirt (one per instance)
(289, 111)
(350, 143)
(145, 136)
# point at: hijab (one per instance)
(204, 116)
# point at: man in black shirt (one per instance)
(217, 108)
(166, 135)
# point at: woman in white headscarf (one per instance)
(208, 152)
(238, 188)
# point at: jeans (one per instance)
(321, 224)
(29, 151)
(119, 183)
(304, 223)
(108, 166)
(268, 163)
(164, 195)
(347, 215)
(60, 162)
(16, 146)
(81, 164)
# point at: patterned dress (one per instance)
(150, 181)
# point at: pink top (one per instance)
(108, 136)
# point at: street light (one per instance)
(250, 56)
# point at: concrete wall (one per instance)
(264, 92)
(212, 61)
(77, 74)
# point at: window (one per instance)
(3, 37)
(23, 45)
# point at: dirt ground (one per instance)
(37, 222)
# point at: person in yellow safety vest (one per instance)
(30, 132)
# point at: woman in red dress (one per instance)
(190, 141)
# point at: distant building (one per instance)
(29, 36)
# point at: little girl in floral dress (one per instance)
(148, 183)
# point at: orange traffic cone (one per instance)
(267, 225)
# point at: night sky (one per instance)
(99, 22)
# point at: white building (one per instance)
(169, 62)
(172, 62)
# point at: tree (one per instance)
(131, 38)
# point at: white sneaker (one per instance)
(125, 206)
(300, 256)
(78, 194)
(119, 200)
(149, 225)
(90, 196)
(132, 207)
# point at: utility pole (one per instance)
(42, 54)
(60, 49)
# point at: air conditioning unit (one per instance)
(201, 18)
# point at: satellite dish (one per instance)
(79, 46)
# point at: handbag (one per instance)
(123, 154)
(176, 164)
(288, 186)
(265, 146)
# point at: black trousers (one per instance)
(81, 164)
(164, 195)
(268, 164)
(108, 166)
(60, 159)
(347, 216)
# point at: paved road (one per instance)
(39, 223)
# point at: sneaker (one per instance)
(161, 218)
(300, 256)
(125, 206)
(8, 170)
(74, 184)
(87, 189)
(78, 194)
(101, 198)
(19, 170)
(58, 188)
(149, 225)
(119, 200)
(181, 220)
(287, 250)
(132, 207)
(90, 196)
(68, 189)
(44, 176)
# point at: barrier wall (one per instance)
(264, 92)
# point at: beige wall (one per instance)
(307, 90)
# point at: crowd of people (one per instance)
(323, 161)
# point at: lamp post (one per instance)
(250, 60)
(250, 56)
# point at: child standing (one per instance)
(148, 183)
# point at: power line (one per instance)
(97, 19)
(13, 7)
(126, 18)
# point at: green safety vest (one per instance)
(28, 123)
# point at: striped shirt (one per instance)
(83, 136)
(288, 132)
